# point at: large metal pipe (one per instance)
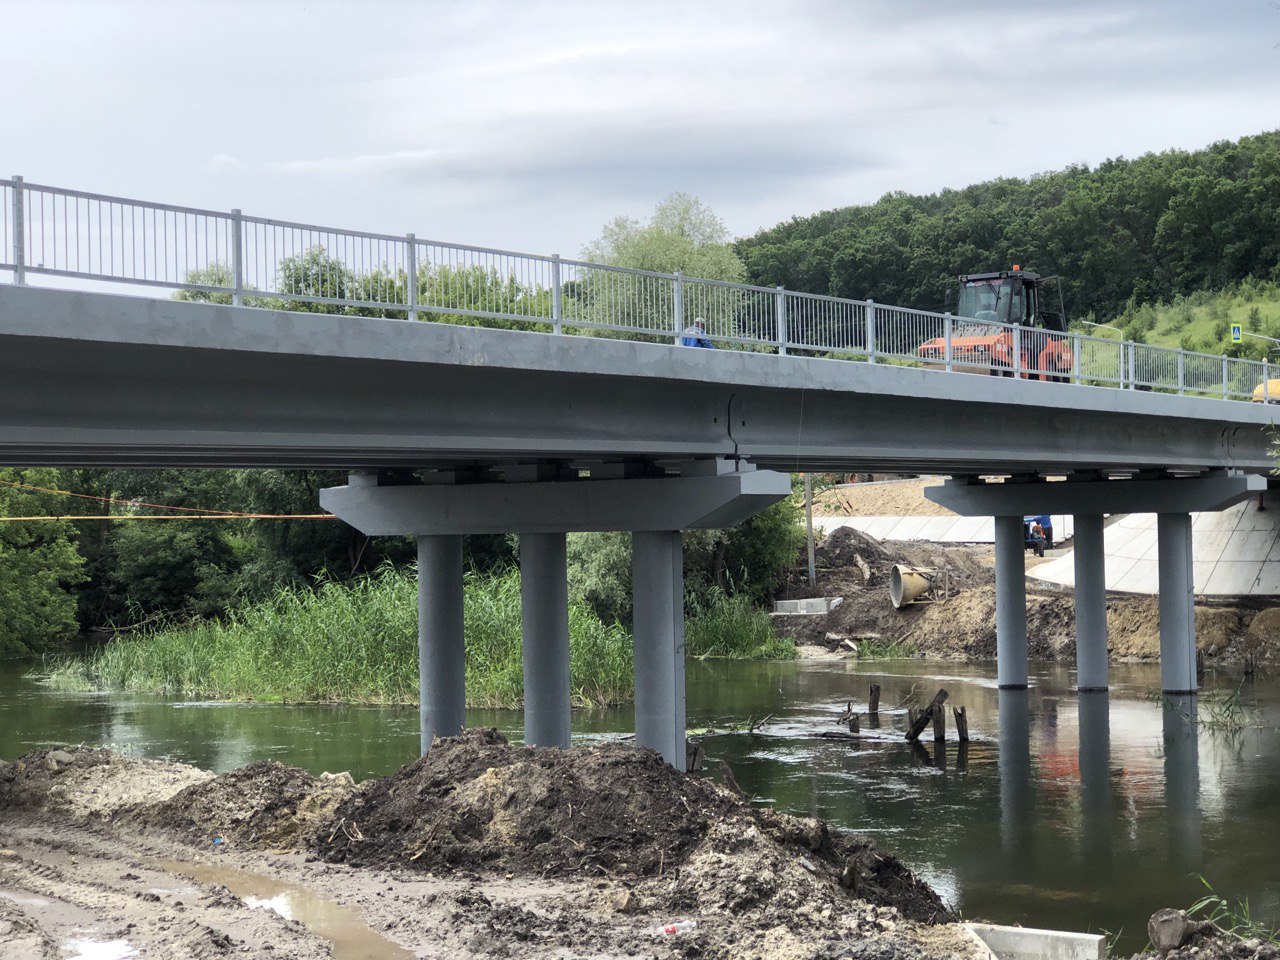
(1177, 604)
(1011, 604)
(657, 574)
(1091, 604)
(544, 619)
(442, 687)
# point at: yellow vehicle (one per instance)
(1267, 392)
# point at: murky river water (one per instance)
(1068, 812)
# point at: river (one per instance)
(1081, 813)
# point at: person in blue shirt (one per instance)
(695, 335)
(1038, 533)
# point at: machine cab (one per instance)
(1009, 296)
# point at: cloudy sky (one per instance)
(529, 124)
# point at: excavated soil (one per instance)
(266, 804)
(885, 498)
(482, 849)
(1217, 946)
(477, 802)
(961, 623)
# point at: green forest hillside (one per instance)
(1202, 321)
(1123, 234)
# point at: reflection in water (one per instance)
(1182, 779)
(1076, 812)
(1016, 801)
(1094, 717)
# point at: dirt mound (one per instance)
(965, 626)
(887, 498)
(477, 802)
(857, 567)
(266, 804)
(1218, 946)
(89, 782)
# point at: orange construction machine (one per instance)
(978, 345)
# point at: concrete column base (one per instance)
(1177, 605)
(1011, 604)
(442, 697)
(657, 570)
(1090, 604)
(544, 618)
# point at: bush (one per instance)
(732, 628)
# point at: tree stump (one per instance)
(925, 716)
(873, 706)
(962, 724)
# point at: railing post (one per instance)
(1017, 352)
(237, 259)
(1182, 372)
(1133, 371)
(677, 307)
(871, 331)
(19, 234)
(1075, 356)
(948, 329)
(411, 271)
(557, 296)
(1225, 392)
(780, 308)
(1266, 383)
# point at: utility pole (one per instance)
(808, 525)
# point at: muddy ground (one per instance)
(481, 849)
(961, 624)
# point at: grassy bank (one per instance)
(358, 643)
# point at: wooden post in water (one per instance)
(962, 724)
(912, 715)
(940, 725)
(922, 719)
(853, 723)
(873, 707)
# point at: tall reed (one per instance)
(357, 643)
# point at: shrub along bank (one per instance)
(357, 642)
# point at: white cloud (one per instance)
(530, 125)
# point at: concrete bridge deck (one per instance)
(98, 379)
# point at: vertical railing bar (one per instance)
(237, 259)
(19, 235)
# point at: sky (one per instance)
(528, 125)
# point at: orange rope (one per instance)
(230, 516)
(130, 503)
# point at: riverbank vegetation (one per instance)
(357, 642)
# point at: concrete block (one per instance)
(812, 606)
(1025, 943)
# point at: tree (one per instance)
(38, 565)
(684, 236)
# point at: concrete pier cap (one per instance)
(531, 502)
(700, 498)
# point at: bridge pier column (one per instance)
(1177, 604)
(544, 618)
(442, 697)
(1011, 604)
(1091, 604)
(657, 572)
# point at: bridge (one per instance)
(297, 345)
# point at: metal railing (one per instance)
(226, 256)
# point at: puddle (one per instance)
(24, 901)
(343, 927)
(99, 950)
